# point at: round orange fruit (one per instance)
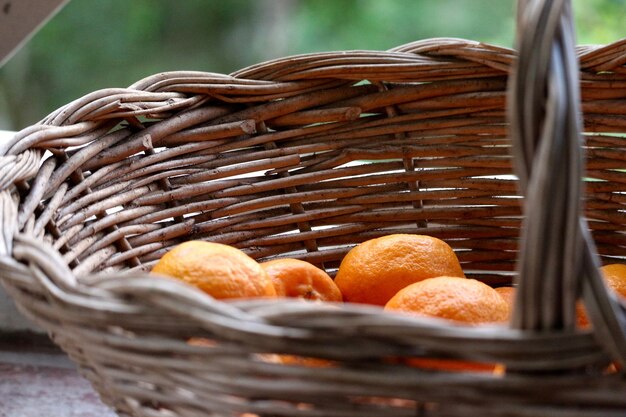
(508, 295)
(375, 270)
(296, 360)
(306, 361)
(614, 276)
(462, 300)
(300, 279)
(221, 271)
(582, 320)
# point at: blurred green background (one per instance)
(93, 44)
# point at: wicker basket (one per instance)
(305, 157)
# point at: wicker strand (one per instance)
(8, 222)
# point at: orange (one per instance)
(582, 321)
(305, 361)
(615, 279)
(296, 360)
(375, 270)
(508, 295)
(219, 270)
(301, 279)
(461, 300)
(452, 365)
(202, 342)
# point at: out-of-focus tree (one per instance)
(600, 21)
(95, 44)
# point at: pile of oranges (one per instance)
(405, 273)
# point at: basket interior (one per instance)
(332, 151)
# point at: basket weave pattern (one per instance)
(303, 157)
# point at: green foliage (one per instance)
(374, 24)
(95, 44)
(600, 21)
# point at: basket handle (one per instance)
(557, 260)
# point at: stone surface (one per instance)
(35, 391)
(42, 382)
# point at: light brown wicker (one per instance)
(307, 156)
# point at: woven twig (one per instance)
(307, 156)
